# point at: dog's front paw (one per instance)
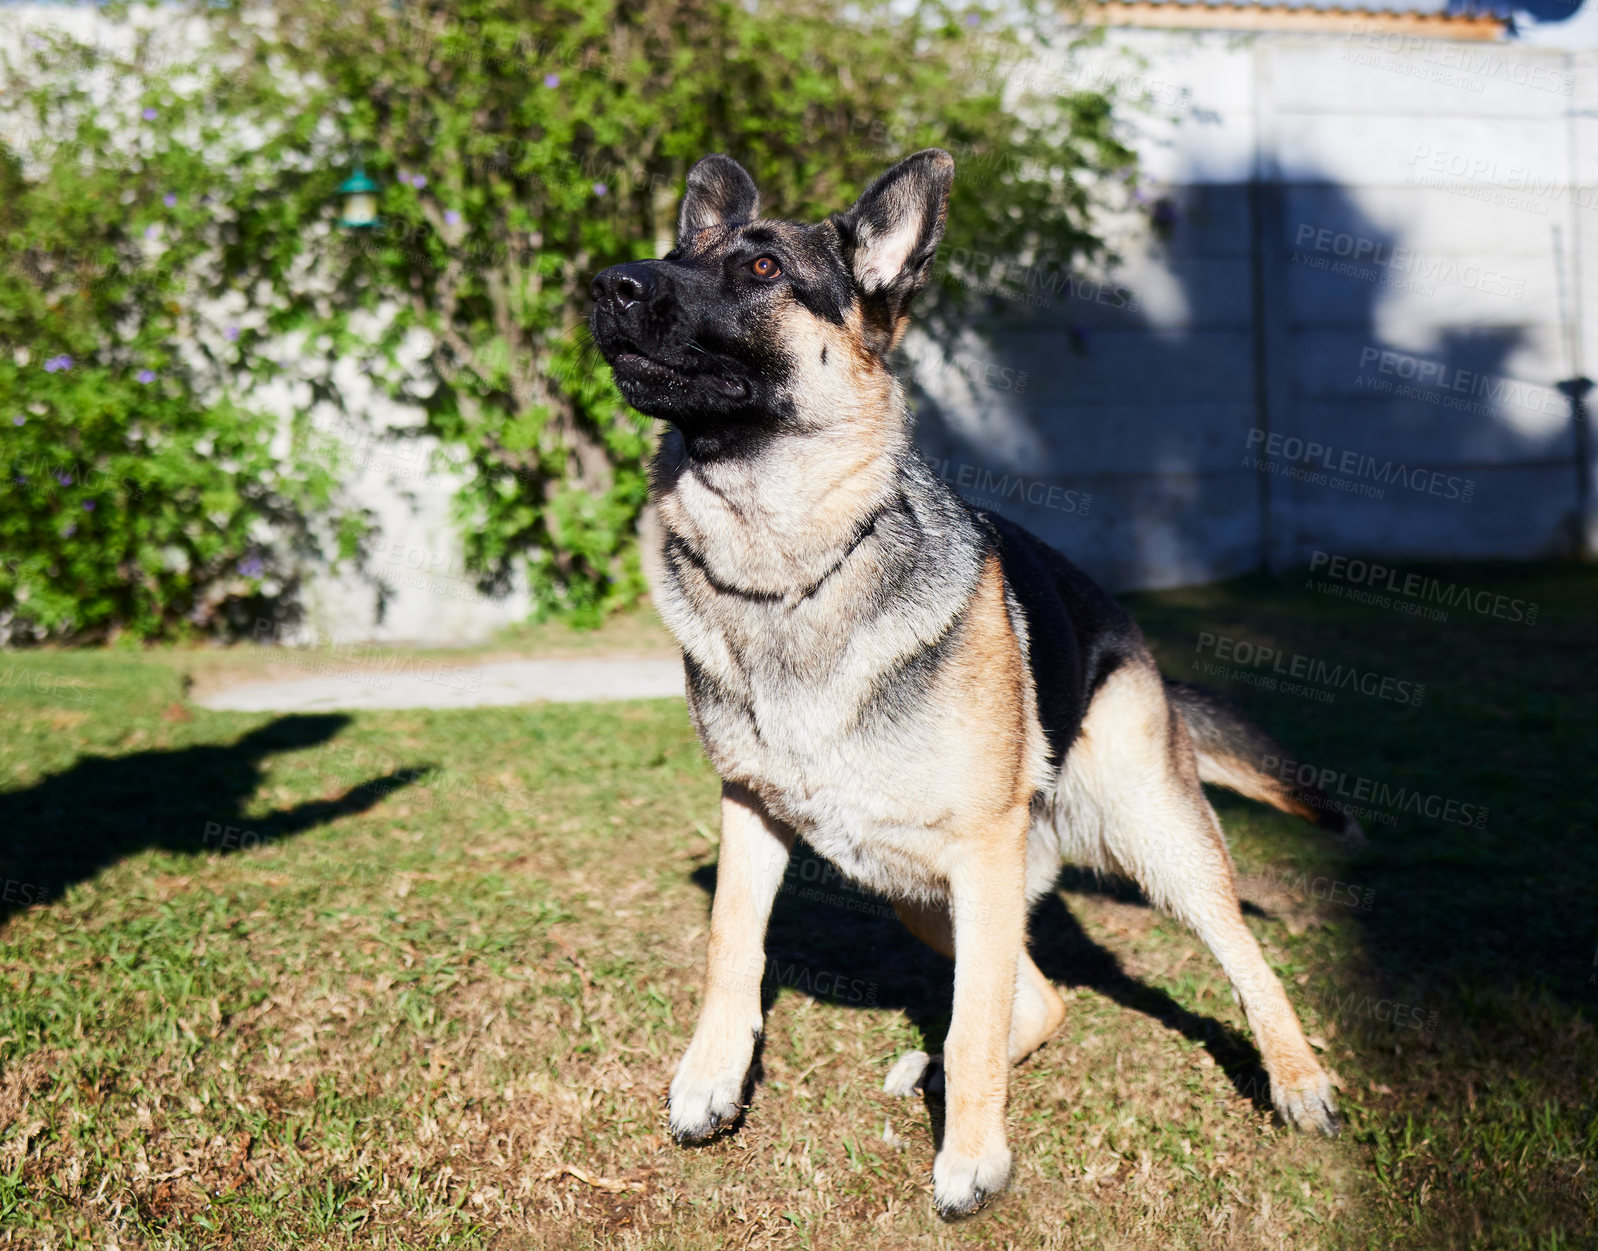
(1307, 1104)
(910, 1072)
(961, 1184)
(706, 1095)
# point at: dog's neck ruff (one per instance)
(780, 523)
(857, 565)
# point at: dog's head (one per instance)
(763, 325)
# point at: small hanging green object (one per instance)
(360, 201)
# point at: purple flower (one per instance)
(151, 232)
(403, 177)
(19, 421)
(233, 334)
(146, 375)
(65, 479)
(418, 181)
(451, 217)
(250, 568)
(973, 20)
(600, 188)
(56, 363)
(88, 506)
(169, 199)
(551, 81)
(148, 115)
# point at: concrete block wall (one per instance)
(1371, 280)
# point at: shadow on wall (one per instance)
(1275, 372)
(1540, 10)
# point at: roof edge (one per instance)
(1229, 15)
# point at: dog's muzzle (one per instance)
(658, 367)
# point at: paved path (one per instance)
(421, 682)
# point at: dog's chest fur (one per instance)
(814, 619)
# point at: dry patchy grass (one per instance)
(420, 979)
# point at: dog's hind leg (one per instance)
(1134, 769)
(1197, 888)
(708, 1085)
(1038, 1010)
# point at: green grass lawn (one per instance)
(420, 979)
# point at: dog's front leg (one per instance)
(709, 1083)
(987, 893)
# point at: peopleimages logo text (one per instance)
(1321, 673)
(1351, 788)
(1381, 578)
(1442, 377)
(1359, 249)
(1352, 464)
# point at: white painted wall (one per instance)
(1449, 178)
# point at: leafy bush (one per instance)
(140, 494)
(523, 146)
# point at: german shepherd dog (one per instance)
(936, 701)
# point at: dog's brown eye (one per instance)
(765, 267)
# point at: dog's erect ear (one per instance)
(719, 190)
(891, 235)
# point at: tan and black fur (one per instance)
(935, 700)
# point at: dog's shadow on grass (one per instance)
(842, 946)
(71, 825)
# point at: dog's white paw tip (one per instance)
(703, 1132)
(962, 1185)
(702, 1109)
(906, 1073)
(690, 1130)
(1311, 1108)
(1319, 1114)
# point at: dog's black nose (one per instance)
(624, 284)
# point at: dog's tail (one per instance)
(1235, 753)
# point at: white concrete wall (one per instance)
(1353, 218)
